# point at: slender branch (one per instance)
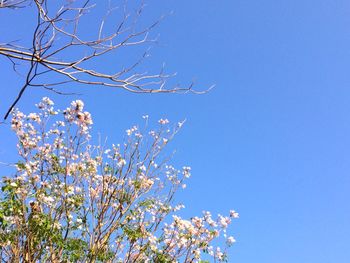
(59, 47)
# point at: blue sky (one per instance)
(271, 141)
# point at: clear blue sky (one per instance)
(271, 141)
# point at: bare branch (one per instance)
(59, 46)
(13, 3)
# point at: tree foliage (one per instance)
(72, 201)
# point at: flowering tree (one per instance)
(70, 201)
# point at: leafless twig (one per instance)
(13, 3)
(59, 47)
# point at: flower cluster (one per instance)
(70, 200)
